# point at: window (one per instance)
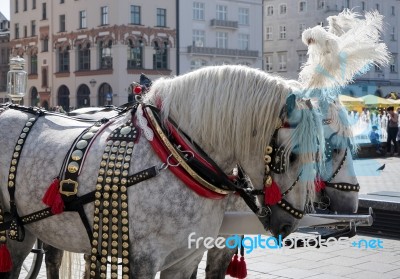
(243, 16)
(282, 32)
(282, 58)
(282, 9)
(393, 63)
(222, 12)
(135, 54)
(198, 38)
(45, 45)
(302, 27)
(393, 34)
(393, 10)
(377, 7)
(25, 31)
(61, 1)
(16, 29)
(378, 69)
(197, 64)
(270, 10)
(44, 77)
(161, 17)
(105, 55)
(44, 11)
(222, 40)
(16, 6)
(33, 4)
(302, 56)
(268, 63)
(104, 15)
(62, 23)
(320, 4)
(84, 57)
(33, 28)
(25, 5)
(63, 59)
(34, 64)
(363, 7)
(268, 33)
(347, 4)
(135, 15)
(160, 58)
(243, 41)
(82, 19)
(302, 6)
(198, 10)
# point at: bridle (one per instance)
(340, 186)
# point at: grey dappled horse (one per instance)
(231, 112)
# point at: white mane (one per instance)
(223, 105)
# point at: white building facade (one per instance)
(86, 53)
(213, 32)
(284, 52)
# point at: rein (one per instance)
(341, 186)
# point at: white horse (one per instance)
(231, 112)
(334, 59)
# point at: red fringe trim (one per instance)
(5, 259)
(272, 194)
(53, 199)
(319, 185)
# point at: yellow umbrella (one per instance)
(375, 101)
(351, 103)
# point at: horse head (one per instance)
(293, 162)
(341, 186)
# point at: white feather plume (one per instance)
(349, 47)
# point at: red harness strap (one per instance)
(163, 153)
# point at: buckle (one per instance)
(68, 187)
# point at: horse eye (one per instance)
(292, 157)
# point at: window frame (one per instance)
(198, 35)
(104, 13)
(243, 41)
(282, 32)
(221, 39)
(136, 15)
(221, 12)
(244, 16)
(82, 19)
(198, 9)
(62, 23)
(161, 17)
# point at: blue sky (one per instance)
(5, 8)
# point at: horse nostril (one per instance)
(285, 230)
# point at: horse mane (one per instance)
(223, 106)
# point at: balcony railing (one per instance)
(222, 51)
(224, 23)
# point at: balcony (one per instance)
(222, 51)
(224, 23)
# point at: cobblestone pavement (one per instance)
(335, 262)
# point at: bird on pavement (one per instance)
(381, 167)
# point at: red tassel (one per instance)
(233, 267)
(242, 268)
(52, 197)
(5, 259)
(272, 194)
(319, 185)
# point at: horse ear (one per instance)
(290, 104)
